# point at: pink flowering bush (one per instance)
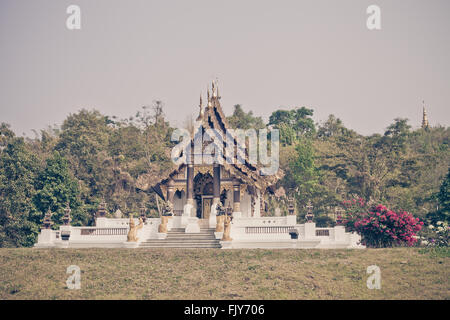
(380, 227)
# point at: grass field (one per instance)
(406, 273)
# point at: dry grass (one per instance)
(406, 273)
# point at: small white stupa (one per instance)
(118, 214)
(277, 212)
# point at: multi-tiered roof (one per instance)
(212, 117)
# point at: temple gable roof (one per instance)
(212, 117)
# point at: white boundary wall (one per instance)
(246, 232)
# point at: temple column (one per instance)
(188, 219)
(216, 183)
(236, 199)
(190, 184)
(170, 190)
(216, 196)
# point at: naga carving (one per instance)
(132, 233)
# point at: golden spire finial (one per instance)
(214, 93)
(209, 100)
(217, 89)
(424, 116)
(200, 114)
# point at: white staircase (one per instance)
(178, 238)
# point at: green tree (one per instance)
(443, 197)
(84, 141)
(333, 127)
(242, 120)
(396, 135)
(293, 124)
(302, 175)
(6, 134)
(19, 219)
(56, 188)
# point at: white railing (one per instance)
(94, 231)
(276, 230)
(322, 232)
(265, 221)
(265, 230)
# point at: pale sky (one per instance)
(265, 55)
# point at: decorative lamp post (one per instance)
(66, 217)
(142, 212)
(291, 207)
(338, 216)
(101, 211)
(309, 214)
(47, 223)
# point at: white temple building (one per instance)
(194, 189)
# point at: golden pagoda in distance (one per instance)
(424, 117)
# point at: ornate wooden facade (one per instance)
(196, 184)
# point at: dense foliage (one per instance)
(92, 156)
(19, 217)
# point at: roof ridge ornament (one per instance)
(200, 114)
(209, 100)
(215, 89)
(214, 93)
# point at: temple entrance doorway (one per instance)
(206, 206)
(203, 194)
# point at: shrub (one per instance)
(435, 236)
(380, 227)
(324, 222)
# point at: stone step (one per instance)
(183, 241)
(183, 230)
(178, 238)
(180, 242)
(188, 234)
(178, 245)
(185, 247)
(182, 247)
(188, 239)
(193, 237)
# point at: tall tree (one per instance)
(245, 120)
(56, 188)
(293, 124)
(302, 174)
(19, 218)
(444, 195)
(332, 127)
(443, 211)
(84, 142)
